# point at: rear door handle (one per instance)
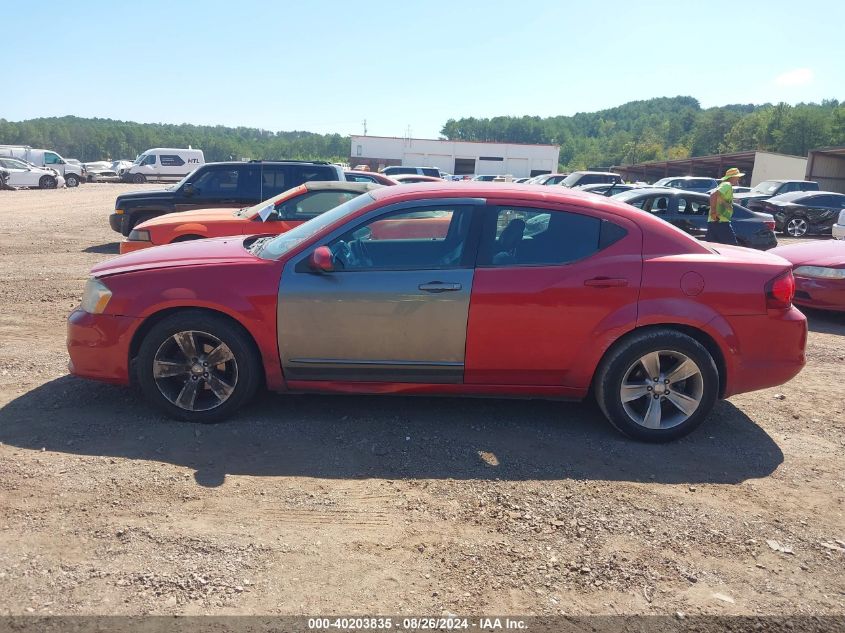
(439, 286)
(606, 282)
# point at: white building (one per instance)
(455, 157)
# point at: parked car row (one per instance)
(516, 291)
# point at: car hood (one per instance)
(830, 254)
(195, 215)
(221, 250)
(155, 194)
(750, 196)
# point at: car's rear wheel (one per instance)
(198, 367)
(139, 179)
(797, 226)
(47, 182)
(657, 385)
(71, 180)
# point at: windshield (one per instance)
(571, 179)
(181, 182)
(248, 212)
(140, 159)
(767, 186)
(278, 246)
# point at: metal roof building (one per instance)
(826, 166)
(455, 157)
(758, 166)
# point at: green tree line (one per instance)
(664, 129)
(98, 139)
(656, 129)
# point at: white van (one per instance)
(163, 163)
(73, 174)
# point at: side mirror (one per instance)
(188, 189)
(322, 260)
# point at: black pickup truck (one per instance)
(219, 185)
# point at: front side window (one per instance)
(52, 159)
(427, 238)
(149, 160)
(659, 205)
(312, 204)
(216, 183)
(537, 237)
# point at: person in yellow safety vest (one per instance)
(719, 227)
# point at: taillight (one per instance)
(770, 224)
(779, 291)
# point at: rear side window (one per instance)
(431, 171)
(299, 174)
(171, 160)
(522, 236)
(273, 182)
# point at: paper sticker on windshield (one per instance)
(265, 212)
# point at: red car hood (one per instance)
(830, 253)
(221, 250)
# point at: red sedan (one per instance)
(819, 269)
(516, 291)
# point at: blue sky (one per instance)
(326, 66)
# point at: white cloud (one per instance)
(797, 77)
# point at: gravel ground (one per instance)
(361, 505)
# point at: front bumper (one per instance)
(98, 345)
(116, 222)
(130, 246)
(821, 294)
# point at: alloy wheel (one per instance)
(662, 389)
(195, 371)
(797, 227)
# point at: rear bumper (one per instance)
(769, 350)
(127, 246)
(822, 294)
(98, 346)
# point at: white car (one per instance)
(23, 174)
(839, 227)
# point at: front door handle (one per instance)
(439, 286)
(606, 282)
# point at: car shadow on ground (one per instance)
(824, 321)
(109, 248)
(384, 437)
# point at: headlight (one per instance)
(96, 296)
(820, 272)
(139, 235)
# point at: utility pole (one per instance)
(365, 127)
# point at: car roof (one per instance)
(341, 185)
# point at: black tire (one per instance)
(72, 180)
(245, 378)
(139, 179)
(796, 226)
(136, 220)
(624, 357)
(47, 182)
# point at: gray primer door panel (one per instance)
(383, 326)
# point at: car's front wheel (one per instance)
(47, 182)
(657, 386)
(198, 367)
(139, 179)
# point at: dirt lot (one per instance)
(396, 506)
